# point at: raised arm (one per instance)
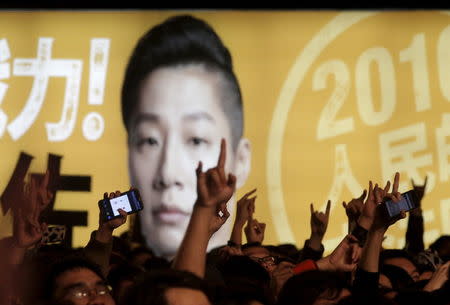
(319, 223)
(254, 231)
(214, 189)
(244, 208)
(366, 279)
(414, 233)
(31, 199)
(99, 246)
(353, 210)
(27, 228)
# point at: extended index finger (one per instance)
(44, 183)
(222, 155)
(386, 188)
(250, 193)
(327, 210)
(396, 182)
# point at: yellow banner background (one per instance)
(331, 100)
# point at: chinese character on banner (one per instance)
(402, 150)
(41, 69)
(58, 182)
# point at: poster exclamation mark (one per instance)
(93, 123)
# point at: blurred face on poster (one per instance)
(182, 113)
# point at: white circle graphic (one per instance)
(297, 73)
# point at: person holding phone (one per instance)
(180, 97)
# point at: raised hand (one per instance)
(244, 211)
(319, 220)
(214, 189)
(220, 217)
(344, 258)
(227, 251)
(419, 189)
(440, 276)
(115, 222)
(27, 229)
(353, 208)
(245, 207)
(254, 231)
(44, 194)
(381, 219)
(365, 220)
(105, 228)
(380, 223)
(280, 274)
(213, 186)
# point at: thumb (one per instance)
(231, 181)
(122, 213)
(363, 195)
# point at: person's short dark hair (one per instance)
(152, 286)
(421, 297)
(178, 41)
(253, 244)
(156, 263)
(442, 246)
(400, 279)
(245, 280)
(352, 300)
(36, 265)
(243, 266)
(121, 246)
(65, 265)
(289, 250)
(395, 253)
(123, 272)
(140, 250)
(304, 288)
(120, 274)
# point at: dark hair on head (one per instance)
(156, 263)
(121, 246)
(245, 280)
(36, 265)
(253, 244)
(400, 279)
(182, 40)
(68, 264)
(352, 300)
(304, 288)
(441, 244)
(123, 272)
(120, 274)
(394, 253)
(140, 250)
(289, 250)
(241, 266)
(151, 287)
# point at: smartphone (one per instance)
(409, 202)
(129, 201)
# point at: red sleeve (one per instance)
(305, 265)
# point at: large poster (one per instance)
(331, 100)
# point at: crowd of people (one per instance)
(117, 270)
(196, 254)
